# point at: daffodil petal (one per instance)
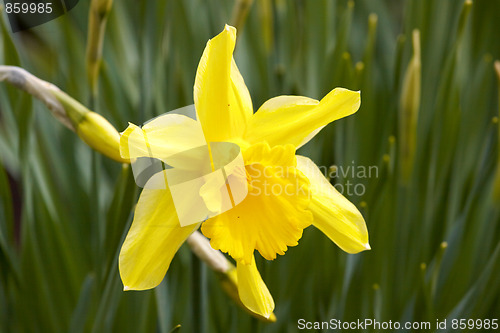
(295, 119)
(333, 214)
(253, 291)
(222, 100)
(162, 137)
(152, 241)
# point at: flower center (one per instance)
(273, 214)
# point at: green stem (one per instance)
(197, 297)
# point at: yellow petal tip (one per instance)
(230, 29)
(367, 246)
(272, 318)
(126, 288)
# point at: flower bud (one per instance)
(496, 186)
(92, 128)
(408, 111)
(99, 11)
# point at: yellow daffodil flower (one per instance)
(286, 192)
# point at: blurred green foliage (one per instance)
(64, 210)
